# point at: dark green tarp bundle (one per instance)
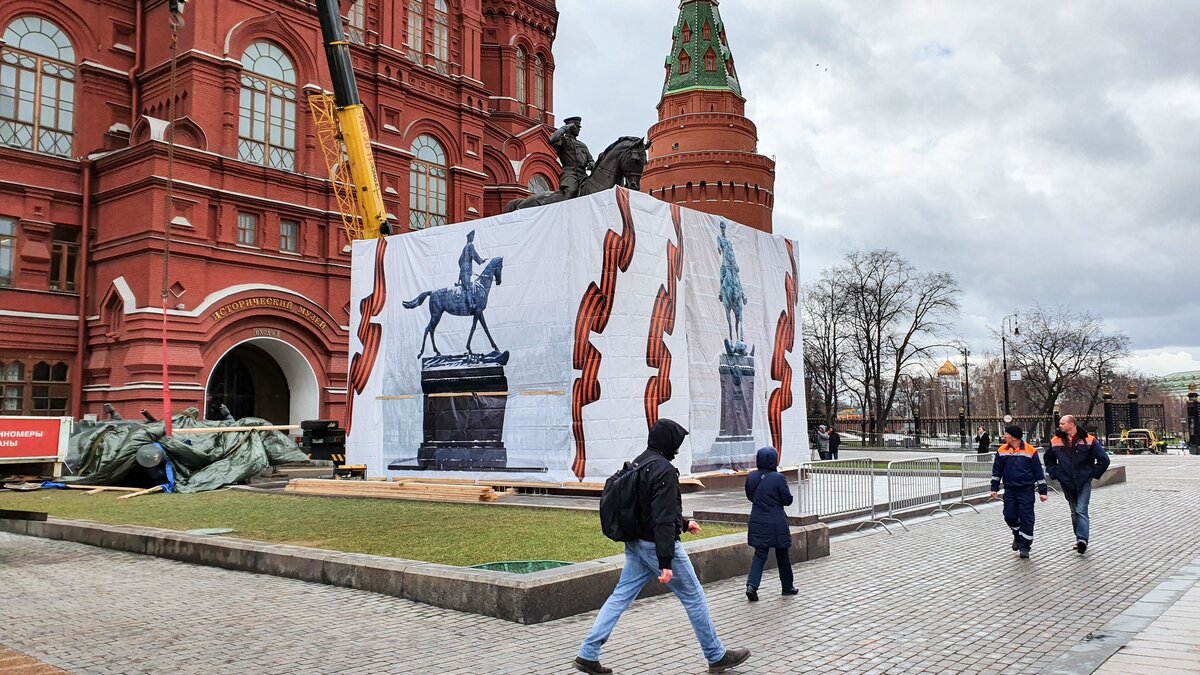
(107, 453)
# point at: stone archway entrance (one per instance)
(265, 378)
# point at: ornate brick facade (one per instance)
(704, 150)
(258, 283)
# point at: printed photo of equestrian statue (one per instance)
(738, 289)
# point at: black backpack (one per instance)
(619, 504)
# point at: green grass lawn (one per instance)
(452, 534)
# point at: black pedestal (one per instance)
(465, 397)
(734, 446)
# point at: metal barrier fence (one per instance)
(975, 477)
(913, 484)
(838, 487)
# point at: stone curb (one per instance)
(522, 598)
(1101, 644)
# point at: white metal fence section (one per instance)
(838, 487)
(914, 484)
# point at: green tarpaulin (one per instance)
(107, 453)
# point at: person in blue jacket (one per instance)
(1018, 467)
(769, 491)
(1074, 459)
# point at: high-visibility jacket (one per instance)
(1018, 467)
(1074, 464)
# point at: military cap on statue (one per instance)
(572, 120)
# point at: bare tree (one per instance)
(825, 341)
(1057, 348)
(895, 316)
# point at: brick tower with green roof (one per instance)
(703, 150)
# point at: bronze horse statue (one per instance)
(451, 301)
(620, 164)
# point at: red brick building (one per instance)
(704, 150)
(457, 93)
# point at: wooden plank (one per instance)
(102, 488)
(156, 488)
(217, 430)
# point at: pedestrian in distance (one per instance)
(768, 529)
(835, 442)
(823, 441)
(983, 440)
(1018, 467)
(657, 553)
(1075, 459)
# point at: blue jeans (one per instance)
(1079, 500)
(760, 561)
(641, 567)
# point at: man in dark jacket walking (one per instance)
(657, 553)
(1074, 459)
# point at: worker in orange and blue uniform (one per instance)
(1017, 465)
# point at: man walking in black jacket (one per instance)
(658, 554)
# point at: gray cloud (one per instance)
(1037, 151)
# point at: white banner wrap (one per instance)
(592, 318)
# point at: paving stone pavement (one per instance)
(946, 597)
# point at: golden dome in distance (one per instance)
(948, 369)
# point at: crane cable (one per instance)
(176, 21)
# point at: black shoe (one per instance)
(751, 593)
(592, 667)
(791, 591)
(732, 658)
(1024, 553)
(1081, 546)
(1016, 544)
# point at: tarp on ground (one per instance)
(107, 453)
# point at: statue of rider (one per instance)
(573, 155)
(731, 295)
(466, 276)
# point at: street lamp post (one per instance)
(1004, 323)
(966, 353)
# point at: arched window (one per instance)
(710, 61)
(522, 73)
(37, 87)
(538, 183)
(539, 83)
(416, 29)
(356, 22)
(441, 35)
(267, 126)
(427, 184)
(686, 33)
(685, 63)
(706, 32)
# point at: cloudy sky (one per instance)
(1036, 150)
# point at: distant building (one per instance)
(1176, 384)
(257, 303)
(704, 150)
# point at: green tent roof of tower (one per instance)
(689, 64)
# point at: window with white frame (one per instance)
(427, 184)
(441, 35)
(522, 75)
(267, 124)
(539, 83)
(247, 231)
(289, 236)
(8, 243)
(416, 30)
(356, 22)
(538, 183)
(37, 87)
